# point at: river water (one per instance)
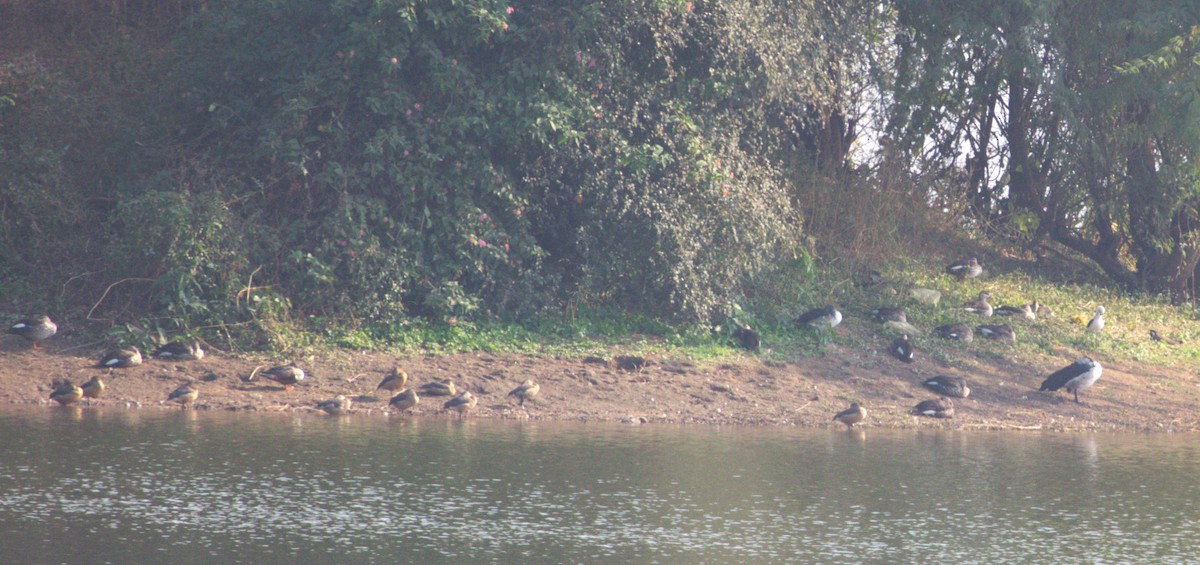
(121, 486)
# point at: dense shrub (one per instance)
(371, 161)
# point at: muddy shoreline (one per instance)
(744, 391)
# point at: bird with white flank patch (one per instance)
(960, 332)
(979, 305)
(964, 270)
(1084, 372)
(121, 358)
(948, 386)
(822, 319)
(179, 351)
(34, 329)
(902, 349)
(1023, 311)
(997, 332)
(934, 408)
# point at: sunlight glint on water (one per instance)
(111, 484)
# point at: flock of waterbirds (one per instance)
(1082, 373)
(1073, 378)
(65, 392)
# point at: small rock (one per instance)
(926, 296)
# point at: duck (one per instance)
(1084, 372)
(1154, 336)
(462, 403)
(335, 406)
(286, 375)
(948, 386)
(747, 338)
(902, 349)
(868, 278)
(93, 388)
(1096, 324)
(179, 351)
(934, 408)
(1040, 309)
(34, 329)
(438, 388)
(960, 332)
(1002, 332)
(964, 270)
(405, 400)
(1023, 311)
(889, 314)
(852, 415)
(527, 391)
(120, 358)
(394, 380)
(66, 392)
(185, 395)
(822, 319)
(979, 305)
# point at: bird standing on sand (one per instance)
(964, 270)
(902, 349)
(948, 386)
(34, 329)
(286, 375)
(394, 381)
(336, 406)
(960, 332)
(1084, 372)
(822, 319)
(462, 403)
(66, 393)
(406, 400)
(979, 305)
(179, 351)
(121, 358)
(527, 391)
(93, 388)
(1096, 324)
(185, 395)
(439, 388)
(934, 408)
(852, 415)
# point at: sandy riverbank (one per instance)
(743, 391)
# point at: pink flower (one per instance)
(509, 10)
(578, 56)
(395, 60)
(482, 243)
(483, 217)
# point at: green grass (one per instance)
(608, 332)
